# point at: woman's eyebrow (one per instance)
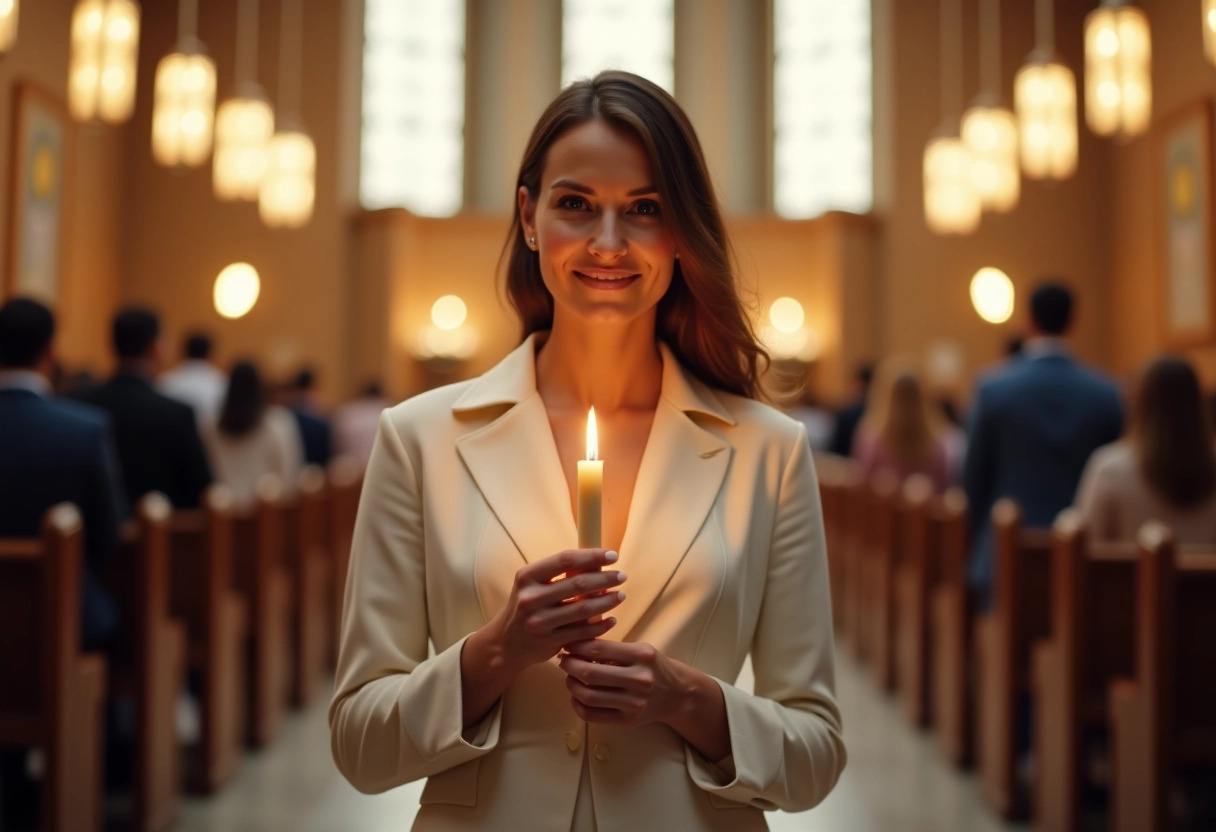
(571, 185)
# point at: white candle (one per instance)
(590, 491)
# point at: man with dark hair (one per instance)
(53, 451)
(315, 429)
(849, 416)
(196, 381)
(157, 437)
(1032, 429)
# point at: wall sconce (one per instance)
(992, 295)
(8, 25)
(105, 51)
(236, 290)
(786, 336)
(447, 339)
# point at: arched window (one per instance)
(823, 152)
(412, 152)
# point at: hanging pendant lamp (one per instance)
(103, 66)
(1045, 97)
(951, 206)
(989, 129)
(244, 123)
(1118, 70)
(183, 110)
(285, 199)
(8, 24)
(1209, 29)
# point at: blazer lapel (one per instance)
(514, 463)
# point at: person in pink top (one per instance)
(900, 430)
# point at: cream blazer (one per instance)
(725, 553)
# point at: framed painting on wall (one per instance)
(37, 216)
(1184, 188)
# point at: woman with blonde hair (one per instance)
(900, 430)
(1164, 469)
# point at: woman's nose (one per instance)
(607, 240)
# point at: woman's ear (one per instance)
(527, 212)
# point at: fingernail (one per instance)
(620, 596)
(621, 577)
(610, 556)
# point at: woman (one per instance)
(251, 439)
(899, 432)
(1165, 469)
(555, 702)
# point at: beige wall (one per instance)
(93, 186)
(1181, 77)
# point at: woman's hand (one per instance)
(551, 605)
(633, 684)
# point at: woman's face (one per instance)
(605, 250)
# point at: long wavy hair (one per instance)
(1169, 432)
(900, 413)
(701, 318)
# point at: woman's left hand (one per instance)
(624, 683)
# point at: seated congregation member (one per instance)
(158, 439)
(356, 422)
(1165, 469)
(53, 451)
(901, 432)
(196, 381)
(314, 427)
(1032, 429)
(849, 417)
(252, 438)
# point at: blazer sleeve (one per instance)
(396, 715)
(786, 746)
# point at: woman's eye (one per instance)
(647, 208)
(574, 203)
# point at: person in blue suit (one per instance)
(1032, 429)
(52, 451)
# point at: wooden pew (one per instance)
(880, 557)
(1020, 616)
(345, 481)
(52, 695)
(1162, 719)
(148, 663)
(832, 473)
(923, 518)
(951, 704)
(1092, 642)
(307, 562)
(260, 577)
(217, 621)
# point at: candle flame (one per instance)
(592, 437)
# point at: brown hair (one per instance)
(701, 317)
(1169, 431)
(899, 412)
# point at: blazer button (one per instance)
(573, 741)
(602, 752)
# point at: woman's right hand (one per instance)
(554, 602)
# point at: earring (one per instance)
(532, 242)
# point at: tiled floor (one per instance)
(895, 782)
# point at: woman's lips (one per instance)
(607, 282)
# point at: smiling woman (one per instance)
(555, 700)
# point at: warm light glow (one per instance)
(593, 441)
(236, 290)
(992, 295)
(449, 312)
(243, 128)
(951, 206)
(8, 24)
(1045, 97)
(786, 315)
(1118, 84)
(102, 68)
(288, 190)
(184, 107)
(1209, 29)
(991, 136)
(801, 344)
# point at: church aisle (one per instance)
(895, 782)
